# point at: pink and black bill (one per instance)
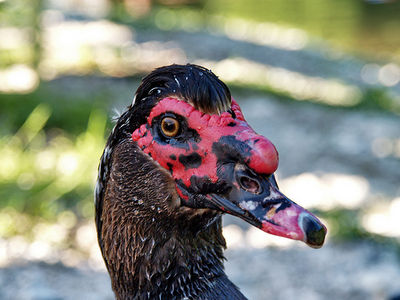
(197, 132)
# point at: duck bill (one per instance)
(260, 203)
(287, 219)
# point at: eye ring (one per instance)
(170, 126)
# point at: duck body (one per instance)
(177, 159)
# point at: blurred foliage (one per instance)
(358, 26)
(8, 57)
(345, 225)
(49, 152)
(69, 111)
(23, 14)
(379, 99)
(19, 13)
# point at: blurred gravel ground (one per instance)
(350, 271)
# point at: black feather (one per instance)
(191, 83)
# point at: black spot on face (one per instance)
(230, 150)
(204, 185)
(232, 124)
(190, 161)
(169, 166)
(172, 156)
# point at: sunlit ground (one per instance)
(40, 167)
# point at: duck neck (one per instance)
(149, 259)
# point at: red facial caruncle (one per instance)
(196, 157)
(219, 162)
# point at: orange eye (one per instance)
(169, 126)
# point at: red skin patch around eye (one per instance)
(263, 158)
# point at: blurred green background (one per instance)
(65, 65)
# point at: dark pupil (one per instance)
(169, 125)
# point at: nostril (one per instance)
(249, 184)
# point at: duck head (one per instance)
(184, 120)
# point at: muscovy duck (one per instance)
(177, 159)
